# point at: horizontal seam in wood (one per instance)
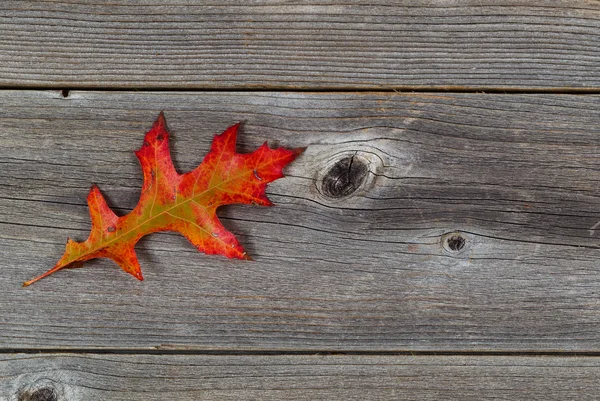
(308, 352)
(341, 89)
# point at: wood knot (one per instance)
(40, 394)
(344, 177)
(454, 242)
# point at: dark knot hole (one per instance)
(344, 177)
(455, 242)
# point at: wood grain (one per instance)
(516, 175)
(87, 377)
(456, 45)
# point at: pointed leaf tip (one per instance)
(160, 122)
(298, 151)
(232, 130)
(93, 189)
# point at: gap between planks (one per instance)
(289, 89)
(171, 351)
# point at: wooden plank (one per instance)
(516, 175)
(76, 377)
(515, 44)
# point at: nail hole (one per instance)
(41, 394)
(344, 178)
(454, 242)
(64, 93)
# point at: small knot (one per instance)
(454, 242)
(344, 178)
(41, 394)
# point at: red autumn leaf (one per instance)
(185, 203)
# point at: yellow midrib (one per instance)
(104, 245)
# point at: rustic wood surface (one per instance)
(516, 176)
(446, 244)
(83, 377)
(458, 45)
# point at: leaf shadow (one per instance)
(146, 252)
(230, 217)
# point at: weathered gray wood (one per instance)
(471, 44)
(517, 174)
(186, 377)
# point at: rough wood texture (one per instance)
(518, 175)
(185, 377)
(327, 44)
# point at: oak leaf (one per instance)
(185, 203)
